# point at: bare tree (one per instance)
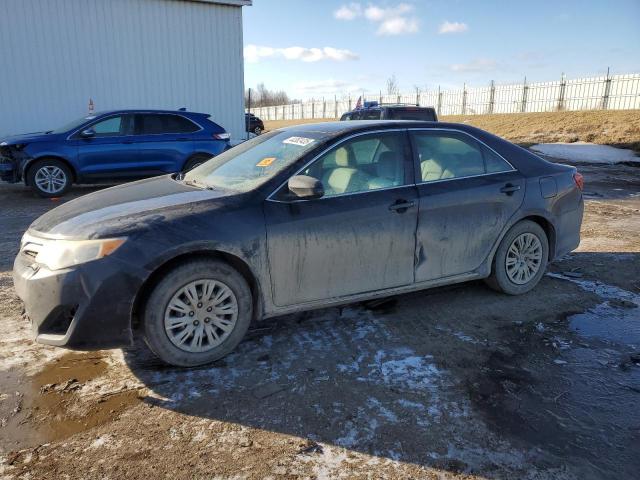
(261, 96)
(392, 86)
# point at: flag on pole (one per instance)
(359, 103)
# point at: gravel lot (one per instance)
(458, 382)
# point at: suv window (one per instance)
(448, 155)
(371, 114)
(364, 163)
(416, 113)
(110, 127)
(154, 124)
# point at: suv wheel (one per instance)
(257, 130)
(49, 178)
(195, 161)
(198, 313)
(520, 260)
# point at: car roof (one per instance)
(149, 110)
(363, 125)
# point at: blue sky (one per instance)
(326, 47)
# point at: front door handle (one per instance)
(127, 142)
(401, 206)
(509, 189)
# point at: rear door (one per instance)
(359, 237)
(111, 152)
(165, 141)
(467, 194)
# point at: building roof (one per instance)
(235, 3)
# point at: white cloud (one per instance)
(348, 12)
(398, 26)
(453, 27)
(393, 20)
(477, 65)
(254, 53)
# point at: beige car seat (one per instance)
(344, 178)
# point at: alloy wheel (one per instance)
(524, 258)
(201, 315)
(50, 179)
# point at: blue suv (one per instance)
(108, 146)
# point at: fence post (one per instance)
(417, 97)
(349, 102)
(380, 98)
(439, 100)
(492, 96)
(335, 106)
(464, 99)
(607, 92)
(563, 85)
(525, 89)
(324, 108)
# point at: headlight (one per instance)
(59, 254)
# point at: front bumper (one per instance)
(85, 307)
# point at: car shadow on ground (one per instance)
(460, 379)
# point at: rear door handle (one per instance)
(401, 206)
(127, 142)
(183, 139)
(509, 189)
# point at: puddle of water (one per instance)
(50, 405)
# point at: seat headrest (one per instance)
(343, 157)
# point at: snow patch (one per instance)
(583, 152)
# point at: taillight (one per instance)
(579, 179)
(221, 136)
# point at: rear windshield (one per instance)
(424, 114)
(254, 162)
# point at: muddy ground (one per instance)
(458, 382)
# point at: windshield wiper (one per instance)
(196, 183)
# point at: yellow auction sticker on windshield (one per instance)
(300, 141)
(265, 162)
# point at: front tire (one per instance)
(521, 259)
(197, 314)
(49, 178)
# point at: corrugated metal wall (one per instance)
(57, 54)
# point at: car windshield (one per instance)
(73, 125)
(254, 162)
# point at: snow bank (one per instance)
(583, 152)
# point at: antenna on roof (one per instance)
(182, 109)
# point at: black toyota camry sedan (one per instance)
(296, 219)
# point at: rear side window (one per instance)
(154, 124)
(451, 155)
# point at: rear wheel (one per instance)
(49, 178)
(198, 313)
(195, 161)
(520, 260)
(257, 130)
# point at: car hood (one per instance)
(124, 209)
(28, 138)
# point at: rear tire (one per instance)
(521, 259)
(195, 161)
(197, 314)
(49, 178)
(257, 130)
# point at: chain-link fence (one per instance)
(617, 92)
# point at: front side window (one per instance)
(256, 161)
(109, 127)
(364, 163)
(451, 155)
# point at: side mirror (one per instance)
(88, 133)
(305, 187)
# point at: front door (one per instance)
(467, 193)
(359, 237)
(111, 151)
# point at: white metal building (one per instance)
(59, 54)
